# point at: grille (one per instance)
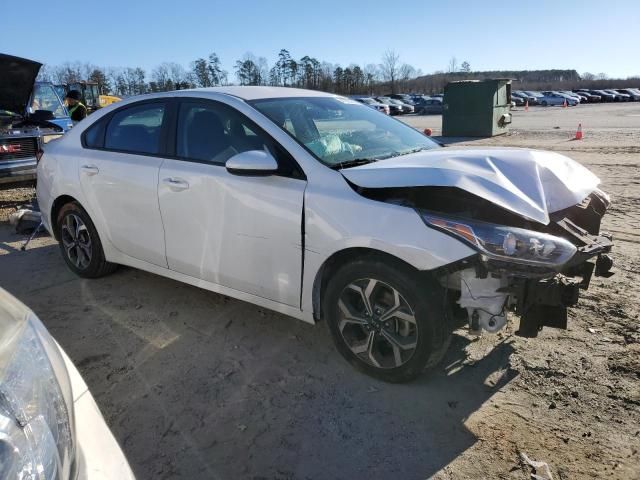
(17, 148)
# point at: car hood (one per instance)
(16, 82)
(530, 183)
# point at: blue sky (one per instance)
(587, 35)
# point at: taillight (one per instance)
(39, 155)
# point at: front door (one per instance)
(242, 232)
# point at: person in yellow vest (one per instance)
(77, 110)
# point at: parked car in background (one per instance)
(534, 94)
(418, 101)
(406, 107)
(591, 97)
(45, 97)
(381, 107)
(394, 108)
(620, 97)
(431, 106)
(577, 96)
(322, 209)
(418, 98)
(633, 93)
(50, 425)
(554, 98)
(403, 97)
(605, 96)
(571, 99)
(525, 97)
(30, 115)
(517, 101)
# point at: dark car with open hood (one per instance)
(31, 114)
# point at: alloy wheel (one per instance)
(76, 241)
(377, 323)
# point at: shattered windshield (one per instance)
(341, 132)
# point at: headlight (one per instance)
(36, 424)
(507, 243)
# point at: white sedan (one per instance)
(318, 207)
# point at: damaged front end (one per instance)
(533, 269)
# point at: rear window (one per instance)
(135, 129)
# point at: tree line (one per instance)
(305, 72)
(390, 75)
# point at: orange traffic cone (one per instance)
(579, 132)
(564, 104)
(526, 105)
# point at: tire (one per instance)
(367, 345)
(80, 244)
(544, 103)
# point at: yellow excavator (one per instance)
(90, 94)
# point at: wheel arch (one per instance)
(339, 258)
(56, 206)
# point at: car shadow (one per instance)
(198, 385)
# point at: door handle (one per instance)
(176, 184)
(90, 169)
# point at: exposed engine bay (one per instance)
(523, 266)
(33, 125)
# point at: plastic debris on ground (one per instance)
(541, 470)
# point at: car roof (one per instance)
(258, 93)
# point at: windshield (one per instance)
(45, 98)
(340, 131)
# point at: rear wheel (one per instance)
(80, 244)
(385, 320)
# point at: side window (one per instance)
(94, 135)
(136, 129)
(213, 133)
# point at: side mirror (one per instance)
(252, 162)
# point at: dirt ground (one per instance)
(197, 385)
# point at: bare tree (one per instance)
(406, 72)
(160, 78)
(453, 65)
(588, 76)
(465, 67)
(390, 67)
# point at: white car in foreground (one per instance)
(318, 207)
(50, 425)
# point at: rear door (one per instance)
(242, 232)
(119, 177)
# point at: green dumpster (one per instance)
(476, 108)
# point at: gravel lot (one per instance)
(197, 385)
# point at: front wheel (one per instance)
(544, 103)
(386, 320)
